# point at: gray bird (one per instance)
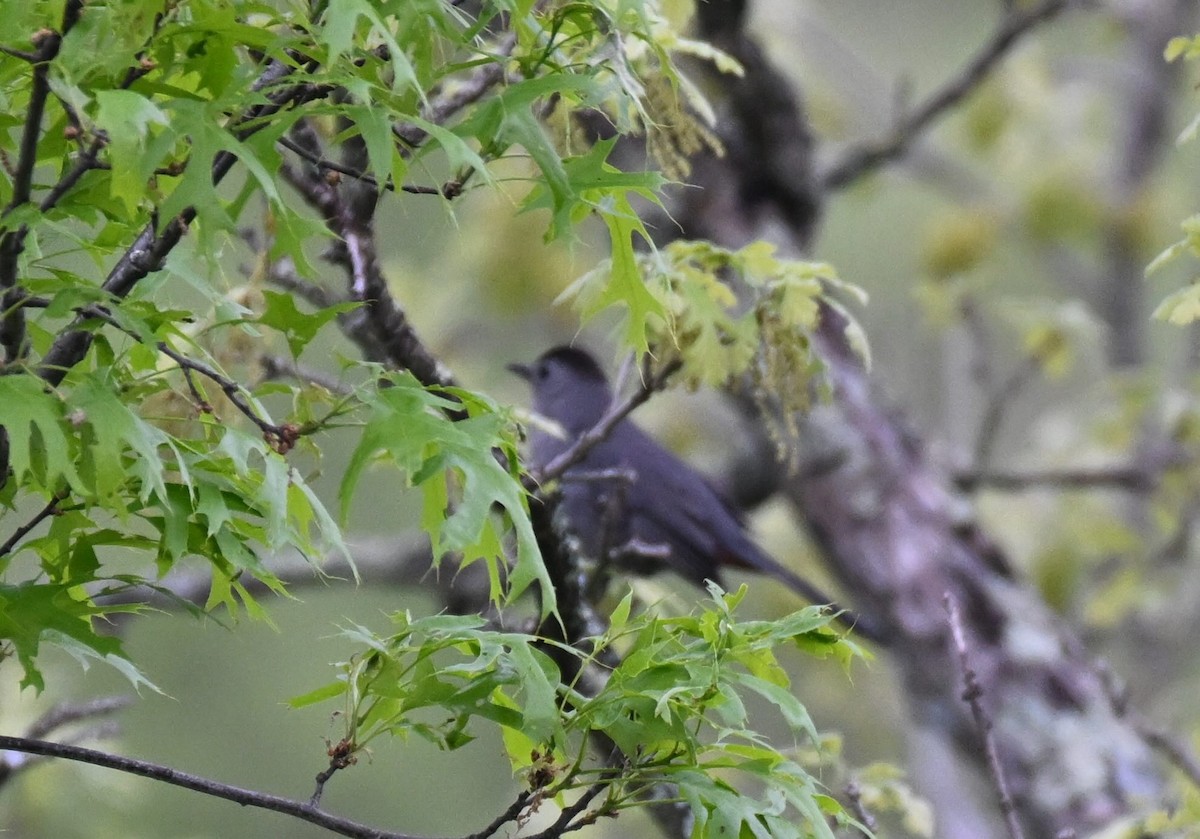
(631, 498)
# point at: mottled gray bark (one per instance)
(894, 530)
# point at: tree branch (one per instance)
(567, 821)
(604, 426)
(972, 695)
(21, 532)
(63, 714)
(1177, 752)
(449, 190)
(511, 813)
(12, 240)
(853, 794)
(997, 407)
(866, 157)
(276, 367)
(152, 246)
(157, 772)
(380, 327)
(282, 438)
(1131, 478)
(400, 561)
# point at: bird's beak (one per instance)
(522, 370)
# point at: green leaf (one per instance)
(375, 126)
(32, 613)
(338, 33)
(452, 463)
(120, 444)
(1180, 307)
(297, 327)
(127, 116)
(40, 446)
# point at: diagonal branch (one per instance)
(450, 189)
(380, 326)
(604, 426)
(150, 249)
(61, 715)
(52, 508)
(866, 157)
(281, 437)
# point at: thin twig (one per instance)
(1173, 748)
(341, 756)
(383, 563)
(280, 367)
(604, 426)
(21, 532)
(157, 772)
(63, 714)
(282, 273)
(854, 795)
(972, 695)
(998, 404)
(982, 370)
(510, 814)
(566, 823)
(1178, 753)
(863, 158)
(66, 713)
(451, 189)
(281, 437)
(1132, 478)
(31, 57)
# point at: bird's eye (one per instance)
(541, 372)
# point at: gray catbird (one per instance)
(628, 495)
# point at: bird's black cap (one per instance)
(578, 361)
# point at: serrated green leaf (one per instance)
(408, 426)
(33, 613)
(40, 446)
(127, 116)
(282, 314)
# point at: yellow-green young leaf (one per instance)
(1181, 45)
(1180, 307)
(1190, 241)
(1189, 132)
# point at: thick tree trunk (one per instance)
(897, 534)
